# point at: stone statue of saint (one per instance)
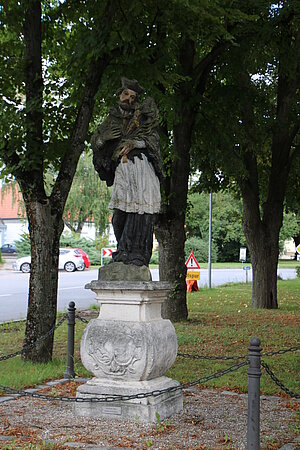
(126, 154)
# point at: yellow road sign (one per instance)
(298, 248)
(193, 275)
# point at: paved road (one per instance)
(14, 288)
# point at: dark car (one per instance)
(8, 248)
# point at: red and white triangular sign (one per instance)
(192, 263)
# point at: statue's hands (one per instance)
(126, 148)
(110, 134)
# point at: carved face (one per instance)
(127, 98)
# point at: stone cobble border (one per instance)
(40, 387)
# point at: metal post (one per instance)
(209, 240)
(254, 373)
(69, 373)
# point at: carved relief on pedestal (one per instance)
(114, 349)
(128, 350)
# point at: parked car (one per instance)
(85, 258)
(69, 260)
(8, 248)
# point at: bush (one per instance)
(154, 257)
(298, 271)
(200, 249)
(23, 245)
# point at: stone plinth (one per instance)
(128, 348)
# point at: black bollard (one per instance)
(254, 373)
(69, 373)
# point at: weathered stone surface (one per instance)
(128, 350)
(140, 409)
(130, 300)
(118, 271)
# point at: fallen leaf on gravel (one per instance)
(194, 420)
(20, 431)
(294, 406)
(67, 389)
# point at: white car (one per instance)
(69, 260)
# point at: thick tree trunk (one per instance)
(264, 285)
(171, 229)
(262, 235)
(171, 237)
(171, 225)
(264, 250)
(45, 230)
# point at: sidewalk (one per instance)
(8, 262)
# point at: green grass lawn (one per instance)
(221, 323)
(282, 264)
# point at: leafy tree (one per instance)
(290, 227)
(190, 38)
(227, 234)
(250, 123)
(52, 65)
(200, 249)
(88, 198)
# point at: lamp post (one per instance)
(209, 240)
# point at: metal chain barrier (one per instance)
(281, 352)
(82, 319)
(114, 398)
(42, 338)
(278, 382)
(211, 358)
(227, 358)
(110, 398)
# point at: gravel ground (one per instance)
(211, 419)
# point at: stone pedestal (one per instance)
(128, 348)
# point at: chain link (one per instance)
(82, 319)
(42, 338)
(211, 358)
(278, 382)
(281, 352)
(114, 398)
(227, 358)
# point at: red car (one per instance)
(85, 258)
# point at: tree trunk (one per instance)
(171, 237)
(262, 235)
(264, 250)
(264, 285)
(45, 229)
(171, 229)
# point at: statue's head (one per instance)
(129, 93)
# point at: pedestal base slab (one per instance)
(141, 409)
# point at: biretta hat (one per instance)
(133, 85)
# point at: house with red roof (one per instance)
(13, 222)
